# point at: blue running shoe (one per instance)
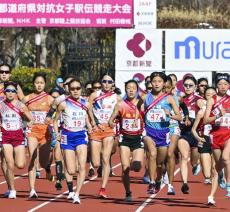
(146, 179)
(228, 190)
(221, 180)
(196, 170)
(38, 174)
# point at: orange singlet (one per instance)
(39, 105)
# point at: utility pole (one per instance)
(38, 47)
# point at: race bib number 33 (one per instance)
(39, 117)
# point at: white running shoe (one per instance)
(76, 200)
(71, 195)
(211, 201)
(207, 181)
(33, 194)
(6, 194)
(12, 194)
(166, 178)
(171, 190)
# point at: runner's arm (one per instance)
(199, 116)
(90, 111)
(207, 118)
(56, 118)
(27, 114)
(114, 115)
(175, 108)
(88, 122)
(20, 93)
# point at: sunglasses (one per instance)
(188, 85)
(10, 90)
(75, 88)
(97, 87)
(203, 85)
(107, 81)
(4, 72)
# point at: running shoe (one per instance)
(91, 172)
(128, 197)
(228, 190)
(185, 188)
(99, 171)
(157, 187)
(171, 190)
(151, 188)
(146, 179)
(207, 181)
(102, 193)
(165, 178)
(63, 176)
(6, 194)
(38, 174)
(33, 194)
(58, 185)
(12, 194)
(71, 195)
(50, 177)
(112, 174)
(211, 201)
(76, 200)
(221, 180)
(196, 170)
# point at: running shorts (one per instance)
(206, 147)
(174, 130)
(160, 136)
(188, 136)
(15, 138)
(101, 133)
(219, 138)
(71, 140)
(40, 132)
(132, 141)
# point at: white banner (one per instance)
(138, 50)
(145, 14)
(123, 76)
(197, 50)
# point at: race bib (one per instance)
(156, 115)
(77, 122)
(192, 114)
(64, 140)
(168, 138)
(176, 131)
(39, 117)
(105, 115)
(207, 129)
(131, 124)
(223, 121)
(11, 122)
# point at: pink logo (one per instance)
(139, 45)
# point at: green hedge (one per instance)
(24, 76)
(172, 17)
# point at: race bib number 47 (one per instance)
(156, 115)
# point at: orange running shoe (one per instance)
(102, 193)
